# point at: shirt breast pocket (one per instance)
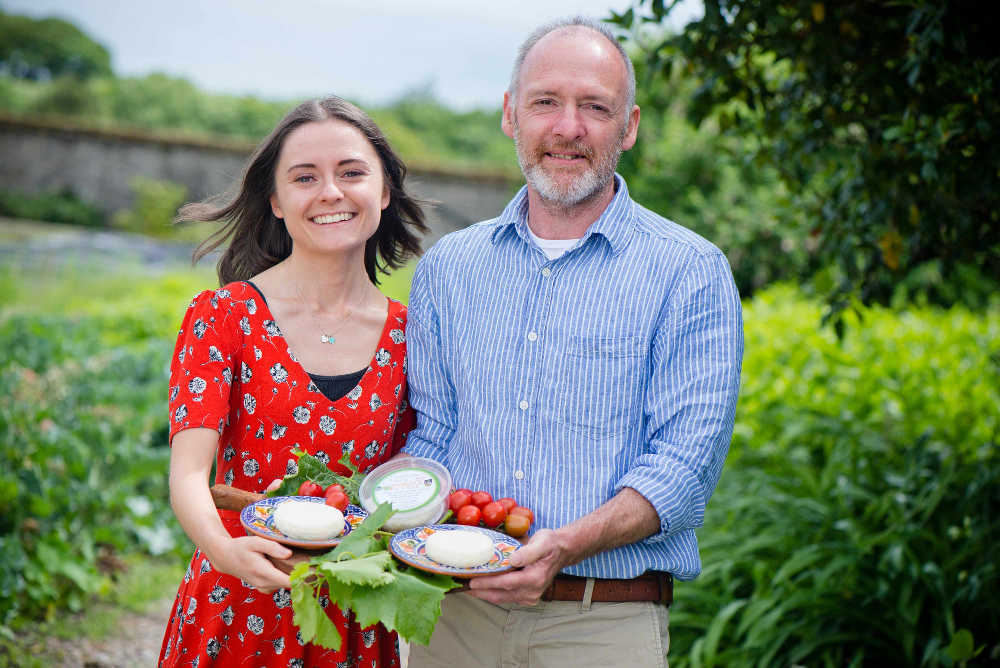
(601, 384)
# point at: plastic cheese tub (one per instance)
(416, 487)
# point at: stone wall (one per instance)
(99, 164)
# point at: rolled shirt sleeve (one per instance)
(691, 398)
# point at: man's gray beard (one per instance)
(580, 190)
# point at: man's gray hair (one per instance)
(574, 22)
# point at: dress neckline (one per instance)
(293, 361)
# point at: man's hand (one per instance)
(626, 518)
(539, 560)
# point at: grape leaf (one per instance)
(362, 539)
(371, 570)
(409, 605)
(361, 575)
(310, 617)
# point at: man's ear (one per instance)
(632, 130)
(507, 119)
(275, 207)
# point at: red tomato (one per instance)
(469, 516)
(459, 498)
(494, 514)
(334, 486)
(517, 525)
(336, 498)
(481, 498)
(507, 503)
(462, 489)
(309, 488)
(521, 510)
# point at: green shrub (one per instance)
(83, 462)
(53, 207)
(856, 522)
(80, 476)
(155, 205)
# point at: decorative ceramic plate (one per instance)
(258, 520)
(409, 546)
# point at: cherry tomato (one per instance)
(334, 486)
(469, 515)
(459, 498)
(336, 498)
(481, 498)
(309, 488)
(507, 503)
(517, 525)
(494, 514)
(521, 510)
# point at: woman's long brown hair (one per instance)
(255, 239)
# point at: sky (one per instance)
(371, 51)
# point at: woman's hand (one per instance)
(191, 456)
(246, 558)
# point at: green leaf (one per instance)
(311, 468)
(362, 539)
(361, 576)
(961, 647)
(367, 570)
(310, 617)
(410, 605)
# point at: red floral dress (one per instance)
(232, 371)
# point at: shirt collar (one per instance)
(615, 224)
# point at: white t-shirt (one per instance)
(552, 248)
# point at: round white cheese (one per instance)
(459, 548)
(305, 520)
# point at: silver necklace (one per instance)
(324, 337)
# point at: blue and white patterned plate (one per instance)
(258, 520)
(410, 547)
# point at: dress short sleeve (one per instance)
(203, 364)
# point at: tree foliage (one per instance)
(879, 115)
(694, 177)
(47, 48)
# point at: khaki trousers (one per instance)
(475, 634)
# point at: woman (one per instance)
(297, 349)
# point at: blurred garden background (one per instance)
(843, 155)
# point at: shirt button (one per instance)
(546, 271)
(519, 474)
(532, 336)
(523, 405)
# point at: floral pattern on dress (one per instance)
(233, 372)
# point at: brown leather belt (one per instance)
(651, 586)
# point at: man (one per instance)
(580, 354)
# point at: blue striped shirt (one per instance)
(561, 382)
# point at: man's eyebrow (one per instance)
(309, 165)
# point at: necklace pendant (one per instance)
(327, 339)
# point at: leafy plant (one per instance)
(361, 575)
(309, 467)
(53, 207)
(880, 118)
(49, 47)
(156, 204)
(857, 520)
